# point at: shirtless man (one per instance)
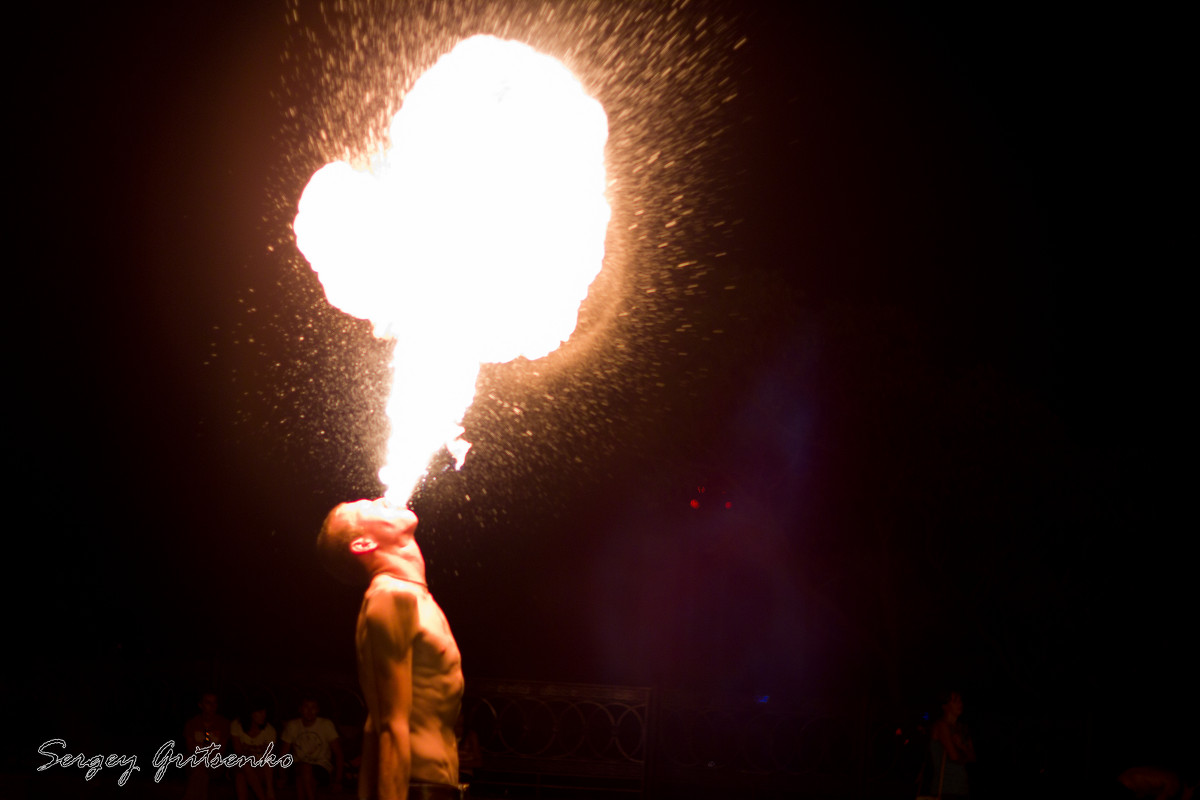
(408, 662)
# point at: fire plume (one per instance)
(472, 238)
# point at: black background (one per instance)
(944, 409)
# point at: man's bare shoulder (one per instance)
(386, 596)
(389, 584)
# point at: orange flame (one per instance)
(473, 239)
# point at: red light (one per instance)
(694, 504)
(728, 504)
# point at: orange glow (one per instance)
(472, 239)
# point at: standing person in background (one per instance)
(950, 744)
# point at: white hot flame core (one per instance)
(473, 239)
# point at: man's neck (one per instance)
(405, 564)
(403, 576)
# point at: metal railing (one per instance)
(560, 736)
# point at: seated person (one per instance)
(251, 734)
(311, 740)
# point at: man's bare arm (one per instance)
(391, 625)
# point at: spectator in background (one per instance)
(251, 734)
(206, 729)
(312, 740)
(951, 749)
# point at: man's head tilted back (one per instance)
(356, 534)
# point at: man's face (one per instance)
(308, 711)
(381, 521)
(208, 705)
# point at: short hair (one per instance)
(333, 544)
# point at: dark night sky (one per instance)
(941, 411)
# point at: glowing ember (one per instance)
(473, 239)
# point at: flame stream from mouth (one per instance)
(473, 238)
